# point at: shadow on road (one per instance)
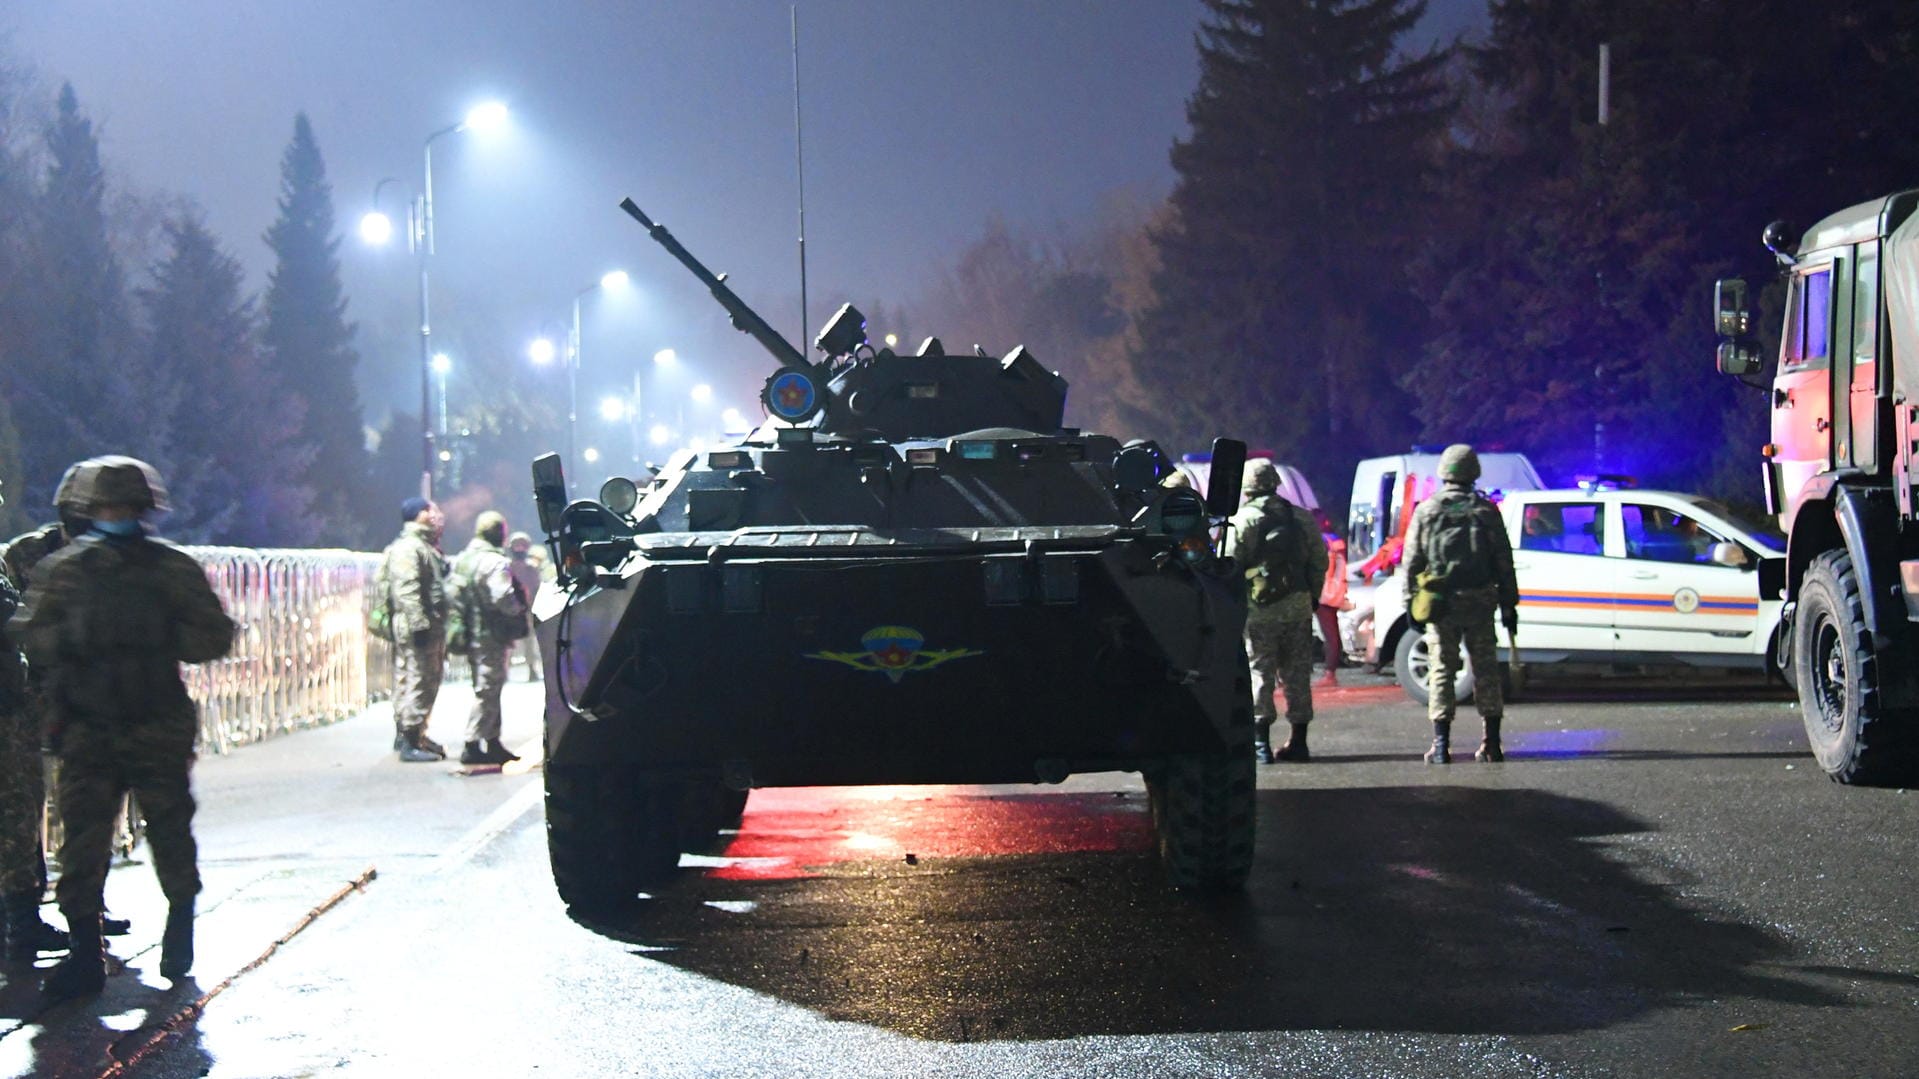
(1437, 909)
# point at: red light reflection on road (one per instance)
(789, 832)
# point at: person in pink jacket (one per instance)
(1332, 599)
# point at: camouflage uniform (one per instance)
(1468, 614)
(417, 576)
(23, 789)
(23, 796)
(487, 593)
(111, 618)
(1279, 635)
(526, 572)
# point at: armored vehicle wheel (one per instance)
(1855, 738)
(709, 809)
(609, 834)
(1411, 663)
(1203, 810)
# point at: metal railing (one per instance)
(302, 656)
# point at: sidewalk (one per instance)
(283, 827)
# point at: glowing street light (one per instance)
(702, 393)
(590, 455)
(661, 434)
(666, 357)
(442, 363)
(542, 351)
(611, 281)
(612, 408)
(485, 118)
(733, 420)
(377, 229)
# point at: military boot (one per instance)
(399, 736)
(417, 748)
(1295, 747)
(27, 934)
(1442, 751)
(1489, 749)
(1263, 742)
(176, 944)
(83, 973)
(498, 753)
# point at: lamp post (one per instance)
(377, 229)
(613, 281)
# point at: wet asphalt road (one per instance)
(1658, 882)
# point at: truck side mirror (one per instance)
(1729, 554)
(1222, 486)
(1730, 314)
(1738, 359)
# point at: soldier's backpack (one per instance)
(1278, 554)
(470, 615)
(379, 617)
(1459, 555)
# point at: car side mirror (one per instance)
(1731, 316)
(1729, 554)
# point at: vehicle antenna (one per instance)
(799, 161)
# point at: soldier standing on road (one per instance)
(1279, 546)
(111, 617)
(1459, 568)
(23, 797)
(24, 858)
(526, 572)
(415, 576)
(490, 610)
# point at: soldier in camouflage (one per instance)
(23, 796)
(1458, 551)
(111, 617)
(1280, 548)
(491, 610)
(416, 577)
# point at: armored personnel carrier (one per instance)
(910, 573)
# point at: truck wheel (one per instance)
(1203, 809)
(1855, 738)
(1411, 663)
(609, 834)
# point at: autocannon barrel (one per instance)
(745, 319)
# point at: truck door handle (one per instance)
(1522, 565)
(1644, 575)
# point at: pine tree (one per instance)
(234, 480)
(16, 202)
(66, 385)
(1280, 306)
(308, 339)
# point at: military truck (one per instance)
(910, 573)
(1839, 472)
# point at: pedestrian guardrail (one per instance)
(302, 656)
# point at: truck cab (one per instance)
(1838, 471)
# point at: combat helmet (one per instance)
(1459, 464)
(112, 480)
(1261, 478)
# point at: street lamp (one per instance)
(611, 281)
(377, 229)
(442, 364)
(541, 351)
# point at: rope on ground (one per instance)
(156, 1036)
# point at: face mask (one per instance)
(128, 527)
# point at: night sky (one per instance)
(922, 121)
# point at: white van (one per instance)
(1292, 484)
(1386, 489)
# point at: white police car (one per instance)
(1619, 578)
